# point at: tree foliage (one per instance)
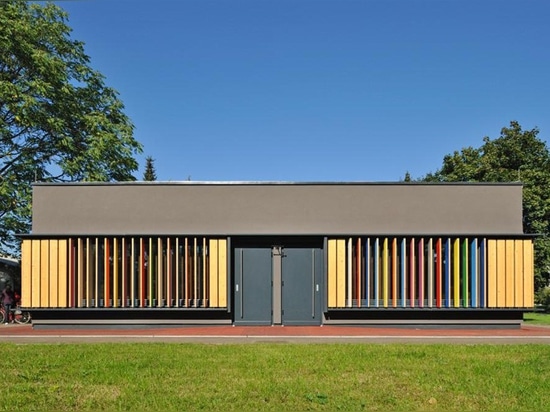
(517, 155)
(58, 119)
(150, 174)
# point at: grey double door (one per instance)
(278, 286)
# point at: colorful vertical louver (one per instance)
(420, 272)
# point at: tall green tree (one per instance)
(59, 122)
(517, 155)
(150, 173)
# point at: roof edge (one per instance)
(272, 183)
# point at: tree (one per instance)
(59, 122)
(150, 174)
(517, 155)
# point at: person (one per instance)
(8, 300)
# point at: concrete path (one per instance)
(22, 334)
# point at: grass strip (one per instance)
(176, 377)
(536, 318)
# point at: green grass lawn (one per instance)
(251, 377)
(536, 318)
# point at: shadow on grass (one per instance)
(537, 318)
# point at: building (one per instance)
(263, 253)
(10, 273)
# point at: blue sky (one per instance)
(318, 90)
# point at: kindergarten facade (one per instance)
(277, 253)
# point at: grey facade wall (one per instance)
(276, 209)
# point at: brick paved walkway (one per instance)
(298, 334)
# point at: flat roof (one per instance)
(273, 183)
(9, 261)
